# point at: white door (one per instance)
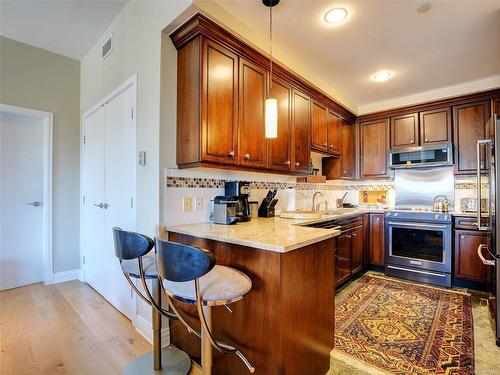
(114, 187)
(21, 200)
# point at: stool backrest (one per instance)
(131, 245)
(178, 262)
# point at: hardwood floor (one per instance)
(65, 328)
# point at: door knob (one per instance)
(105, 206)
(100, 205)
(34, 204)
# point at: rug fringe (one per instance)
(352, 363)
(419, 285)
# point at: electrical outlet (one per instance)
(198, 204)
(187, 204)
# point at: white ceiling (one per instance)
(67, 27)
(455, 42)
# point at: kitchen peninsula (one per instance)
(285, 325)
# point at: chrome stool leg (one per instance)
(206, 345)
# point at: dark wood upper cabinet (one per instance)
(219, 104)
(470, 123)
(334, 133)
(319, 126)
(347, 162)
(376, 242)
(374, 149)
(468, 266)
(253, 91)
(435, 126)
(301, 130)
(404, 130)
(279, 157)
(496, 105)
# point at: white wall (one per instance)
(136, 49)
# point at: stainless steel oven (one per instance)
(418, 246)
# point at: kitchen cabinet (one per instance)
(301, 124)
(319, 126)
(404, 130)
(279, 157)
(347, 163)
(468, 266)
(219, 104)
(376, 241)
(496, 105)
(470, 123)
(374, 149)
(253, 90)
(435, 126)
(334, 133)
(349, 256)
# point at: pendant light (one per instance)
(271, 108)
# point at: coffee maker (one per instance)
(241, 191)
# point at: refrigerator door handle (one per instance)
(486, 262)
(480, 143)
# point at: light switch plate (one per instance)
(187, 204)
(142, 158)
(198, 203)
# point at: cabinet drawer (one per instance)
(349, 223)
(469, 223)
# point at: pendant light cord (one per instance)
(271, 44)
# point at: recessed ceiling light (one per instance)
(381, 76)
(336, 15)
(424, 8)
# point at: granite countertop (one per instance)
(276, 234)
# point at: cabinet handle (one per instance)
(297, 163)
(384, 171)
(426, 139)
(411, 141)
(474, 224)
(287, 162)
(246, 157)
(331, 146)
(462, 237)
(354, 235)
(377, 219)
(349, 236)
(231, 154)
(325, 144)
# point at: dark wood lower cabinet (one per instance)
(467, 264)
(376, 239)
(343, 258)
(349, 255)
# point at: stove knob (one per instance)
(388, 214)
(396, 214)
(436, 216)
(445, 217)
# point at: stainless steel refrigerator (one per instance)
(488, 172)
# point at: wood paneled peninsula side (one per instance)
(285, 324)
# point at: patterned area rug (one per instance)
(403, 328)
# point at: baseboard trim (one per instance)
(60, 277)
(145, 329)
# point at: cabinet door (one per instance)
(374, 148)
(280, 148)
(334, 133)
(470, 123)
(467, 263)
(404, 130)
(377, 239)
(343, 258)
(357, 249)
(496, 106)
(347, 157)
(301, 124)
(319, 126)
(435, 126)
(219, 104)
(252, 141)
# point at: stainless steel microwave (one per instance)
(423, 156)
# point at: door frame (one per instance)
(130, 82)
(47, 246)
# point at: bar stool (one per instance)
(189, 274)
(130, 249)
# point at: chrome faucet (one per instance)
(316, 206)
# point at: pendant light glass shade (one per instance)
(271, 118)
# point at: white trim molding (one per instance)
(47, 118)
(145, 328)
(60, 277)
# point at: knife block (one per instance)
(266, 211)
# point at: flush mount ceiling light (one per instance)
(424, 8)
(382, 76)
(271, 105)
(336, 15)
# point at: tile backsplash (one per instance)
(205, 184)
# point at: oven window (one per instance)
(420, 244)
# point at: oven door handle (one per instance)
(417, 225)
